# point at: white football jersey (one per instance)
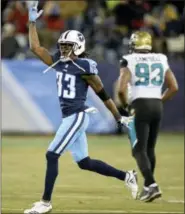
(148, 74)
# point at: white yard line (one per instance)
(88, 197)
(116, 187)
(62, 196)
(176, 201)
(98, 211)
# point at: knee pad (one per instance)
(138, 150)
(52, 163)
(138, 154)
(52, 157)
(134, 152)
(85, 163)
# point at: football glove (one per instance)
(125, 121)
(129, 109)
(33, 11)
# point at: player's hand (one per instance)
(33, 11)
(129, 109)
(125, 121)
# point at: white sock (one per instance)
(153, 185)
(46, 202)
(146, 188)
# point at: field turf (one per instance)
(77, 191)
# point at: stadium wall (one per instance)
(30, 103)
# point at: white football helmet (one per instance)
(75, 38)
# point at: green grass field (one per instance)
(77, 191)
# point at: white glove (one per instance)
(33, 11)
(125, 121)
(91, 110)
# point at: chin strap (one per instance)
(62, 59)
(65, 59)
(51, 66)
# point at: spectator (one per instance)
(9, 45)
(111, 4)
(16, 13)
(123, 17)
(171, 18)
(53, 17)
(71, 12)
(4, 4)
(51, 24)
(138, 9)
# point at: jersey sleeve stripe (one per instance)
(78, 66)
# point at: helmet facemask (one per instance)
(66, 49)
(131, 47)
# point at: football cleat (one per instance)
(150, 194)
(39, 207)
(144, 193)
(131, 182)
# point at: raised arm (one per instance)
(95, 82)
(35, 46)
(172, 86)
(34, 42)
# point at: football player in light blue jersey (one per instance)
(74, 74)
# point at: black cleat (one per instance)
(143, 194)
(151, 194)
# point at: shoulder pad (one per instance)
(91, 66)
(123, 62)
(163, 56)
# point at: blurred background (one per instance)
(30, 102)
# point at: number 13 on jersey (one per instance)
(66, 84)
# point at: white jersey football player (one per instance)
(145, 73)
